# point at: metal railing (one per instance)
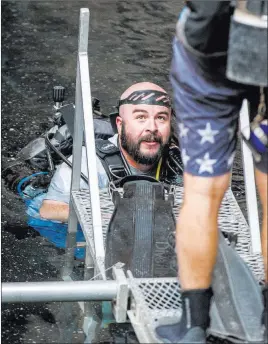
(66, 291)
(84, 124)
(250, 185)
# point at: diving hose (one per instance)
(47, 140)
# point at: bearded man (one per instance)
(143, 123)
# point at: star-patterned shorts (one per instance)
(207, 108)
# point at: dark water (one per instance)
(129, 41)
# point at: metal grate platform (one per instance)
(154, 302)
(157, 301)
(231, 220)
(81, 203)
(81, 200)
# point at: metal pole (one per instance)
(59, 291)
(77, 145)
(250, 185)
(90, 147)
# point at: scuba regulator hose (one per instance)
(26, 179)
(50, 145)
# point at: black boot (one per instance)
(194, 320)
(265, 311)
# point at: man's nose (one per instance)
(151, 125)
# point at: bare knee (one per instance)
(205, 191)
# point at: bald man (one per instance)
(144, 129)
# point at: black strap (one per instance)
(113, 164)
(111, 159)
(135, 177)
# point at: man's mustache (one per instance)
(151, 138)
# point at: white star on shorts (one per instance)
(206, 164)
(183, 130)
(185, 157)
(207, 134)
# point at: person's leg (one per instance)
(261, 181)
(207, 108)
(261, 168)
(262, 184)
(197, 224)
(197, 241)
(261, 177)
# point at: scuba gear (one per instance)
(237, 304)
(169, 168)
(111, 159)
(257, 139)
(102, 126)
(30, 191)
(140, 235)
(256, 136)
(194, 320)
(30, 174)
(140, 225)
(58, 96)
(50, 145)
(265, 310)
(46, 152)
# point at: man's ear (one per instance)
(118, 122)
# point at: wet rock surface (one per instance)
(129, 41)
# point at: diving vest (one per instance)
(116, 169)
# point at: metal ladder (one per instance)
(84, 208)
(84, 123)
(93, 208)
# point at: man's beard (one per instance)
(133, 148)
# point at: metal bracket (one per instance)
(120, 306)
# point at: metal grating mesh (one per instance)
(81, 201)
(158, 300)
(82, 204)
(230, 220)
(155, 302)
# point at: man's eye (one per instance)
(162, 118)
(141, 117)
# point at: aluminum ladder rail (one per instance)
(84, 123)
(250, 185)
(94, 260)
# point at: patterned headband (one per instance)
(149, 97)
